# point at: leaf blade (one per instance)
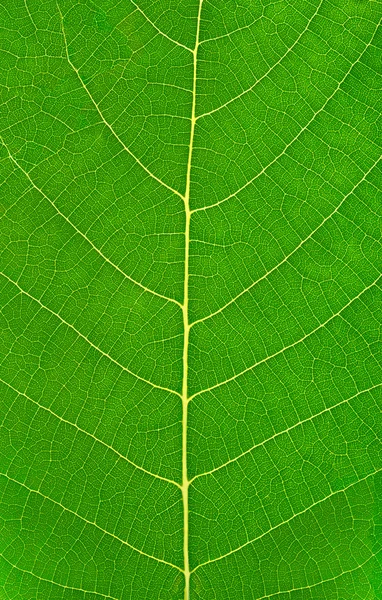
(191, 300)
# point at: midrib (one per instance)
(186, 326)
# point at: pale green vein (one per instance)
(99, 252)
(288, 256)
(240, 29)
(269, 70)
(159, 30)
(92, 436)
(66, 587)
(82, 336)
(298, 514)
(30, 15)
(310, 419)
(103, 118)
(186, 325)
(264, 360)
(92, 523)
(322, 582)
(304, 128)
(230, 33)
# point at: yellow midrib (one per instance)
(186, 326)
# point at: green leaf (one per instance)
(191, 365)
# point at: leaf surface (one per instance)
(191, 300)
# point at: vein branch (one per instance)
(96, 106)
(82, 336)
(288, 256)
(284, 431)
(99, 252)
(92, 523)
(159, 30)
(264, 360)
(91, 435)
(313, 505)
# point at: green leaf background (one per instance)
(191, 300)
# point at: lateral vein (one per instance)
(82, 336)
(104, 531)
(313, 585)
(159, 30)
(103, 118)
(66, 587)
(288, 256)
(284, 431)
(35, 186)
(252, 541)
(264, 360)
(269, 70)
(304, 128)
(91, 435)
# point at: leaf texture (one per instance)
(191, 375)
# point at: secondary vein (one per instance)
(82, 336)
(91, 435)
(103, 118)
(35, 186)
(298, 514)
(277, 434)
(299, 341)
(104, 531)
